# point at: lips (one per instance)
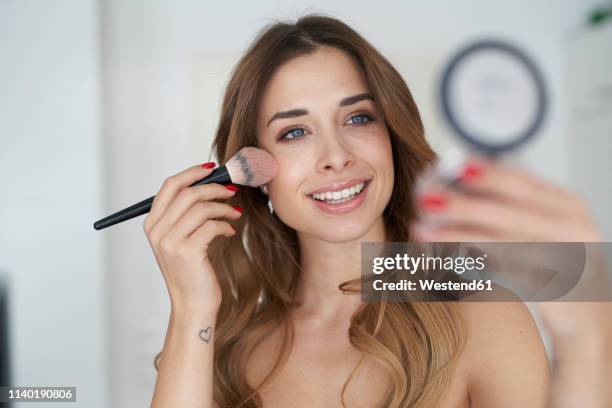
(339, 186)
(342, 207)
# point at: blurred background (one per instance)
(100, 101)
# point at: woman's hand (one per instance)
(182, 222)
(495, 203)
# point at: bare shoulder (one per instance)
(504, 359)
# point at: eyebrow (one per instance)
(301, 112)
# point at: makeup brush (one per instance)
(250, 167)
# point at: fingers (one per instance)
(170, 188)
(455, 209)
(207, 231)
(186, 199)
(493, 203)
(198, 214)
(516, 186)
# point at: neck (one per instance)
(326, 265)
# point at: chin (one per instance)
(340, 231)
(335, 228)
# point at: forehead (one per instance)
(327, 73)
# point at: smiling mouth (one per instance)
(342, 196)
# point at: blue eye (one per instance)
(294, 133)
(361, 119)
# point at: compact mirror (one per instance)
(493, 96)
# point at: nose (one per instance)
(334, 154)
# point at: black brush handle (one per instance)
(220, 176)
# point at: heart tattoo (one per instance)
(206, 333)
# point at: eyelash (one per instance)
(368, 118)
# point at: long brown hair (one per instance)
(415, 343)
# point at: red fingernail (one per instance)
(231, 187)
(208, 165)
(239, 209)
(434, 201)
(471, 172)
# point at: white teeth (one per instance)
(343, 195)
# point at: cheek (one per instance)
(386, 156)
(377, 152)
(291, 174)
(285, 192)
(380, 156)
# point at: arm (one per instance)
(501, 204)
(185, 376)
(183, 221)
(582, 346)
(505, 359)
(583, 372)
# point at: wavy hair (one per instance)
(416, 343)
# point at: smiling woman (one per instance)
(335, 138)
(290, 329)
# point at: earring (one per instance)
(270, 206)
(264, 190)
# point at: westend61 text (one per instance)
(430, 284)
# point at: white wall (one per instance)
(590, 89)
(166, 63)
(50, 178)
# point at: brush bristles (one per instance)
(251, 167)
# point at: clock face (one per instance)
(493, 96)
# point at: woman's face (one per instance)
(318, 119)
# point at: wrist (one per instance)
(193, 315)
